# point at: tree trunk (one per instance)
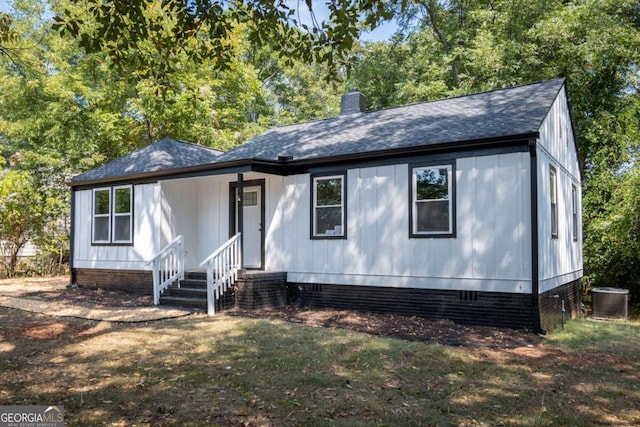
(434, 21)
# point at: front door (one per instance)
(252, 226)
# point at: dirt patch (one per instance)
(84, 296)
(405, 327)
(55, 289)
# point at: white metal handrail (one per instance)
(222, 270)
(168, 266)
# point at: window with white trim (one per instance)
(112, 215)
(101, 215)
(553, 200)
(574, 211)
(328, 209)
(432, 201)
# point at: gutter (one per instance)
(240, 165)
(417, 149)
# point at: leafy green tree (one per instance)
(70, 111)
(19, 217)
(148, 35)
(294, 91)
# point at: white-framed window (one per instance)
(101, 215)
(574, 211)
(432, 201)
(112, 216)
(328, 207)
(553, 200)
(122, 214)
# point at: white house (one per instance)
(466, 208)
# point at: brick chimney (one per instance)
(353, 102)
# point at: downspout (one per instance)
(535, 284)
(72, 239)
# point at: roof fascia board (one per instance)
(477, 144)
(573, 131)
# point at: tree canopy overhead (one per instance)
(150, 34)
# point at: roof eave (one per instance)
(169, 173)
(282, 167)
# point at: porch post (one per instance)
(240, 213)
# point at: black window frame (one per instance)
(553, 201)
(112, 216)
(451, 165)
(574, 211)
(342, 174)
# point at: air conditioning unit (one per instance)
(610, 303)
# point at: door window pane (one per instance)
(250, 198)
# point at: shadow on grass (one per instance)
(237, 371)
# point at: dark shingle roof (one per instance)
(164, 155)
(496, 114)
(503, 113)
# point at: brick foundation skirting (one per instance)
(465, 307)
(551, 304)
(257, 290)
(135, 281)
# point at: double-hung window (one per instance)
(328, 207)
(432, 201)
(113, 215)
(102, 215)
(574, 211)
(553, 199)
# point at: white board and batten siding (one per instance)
(196, 208)
(147, 238)
(560, 259)
(491, 251)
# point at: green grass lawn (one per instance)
(236, 371)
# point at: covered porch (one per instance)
(216, 258)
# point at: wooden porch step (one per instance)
(192, 292)
(195, 275)
(191, 283)
(186, 291)
(184, 301)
